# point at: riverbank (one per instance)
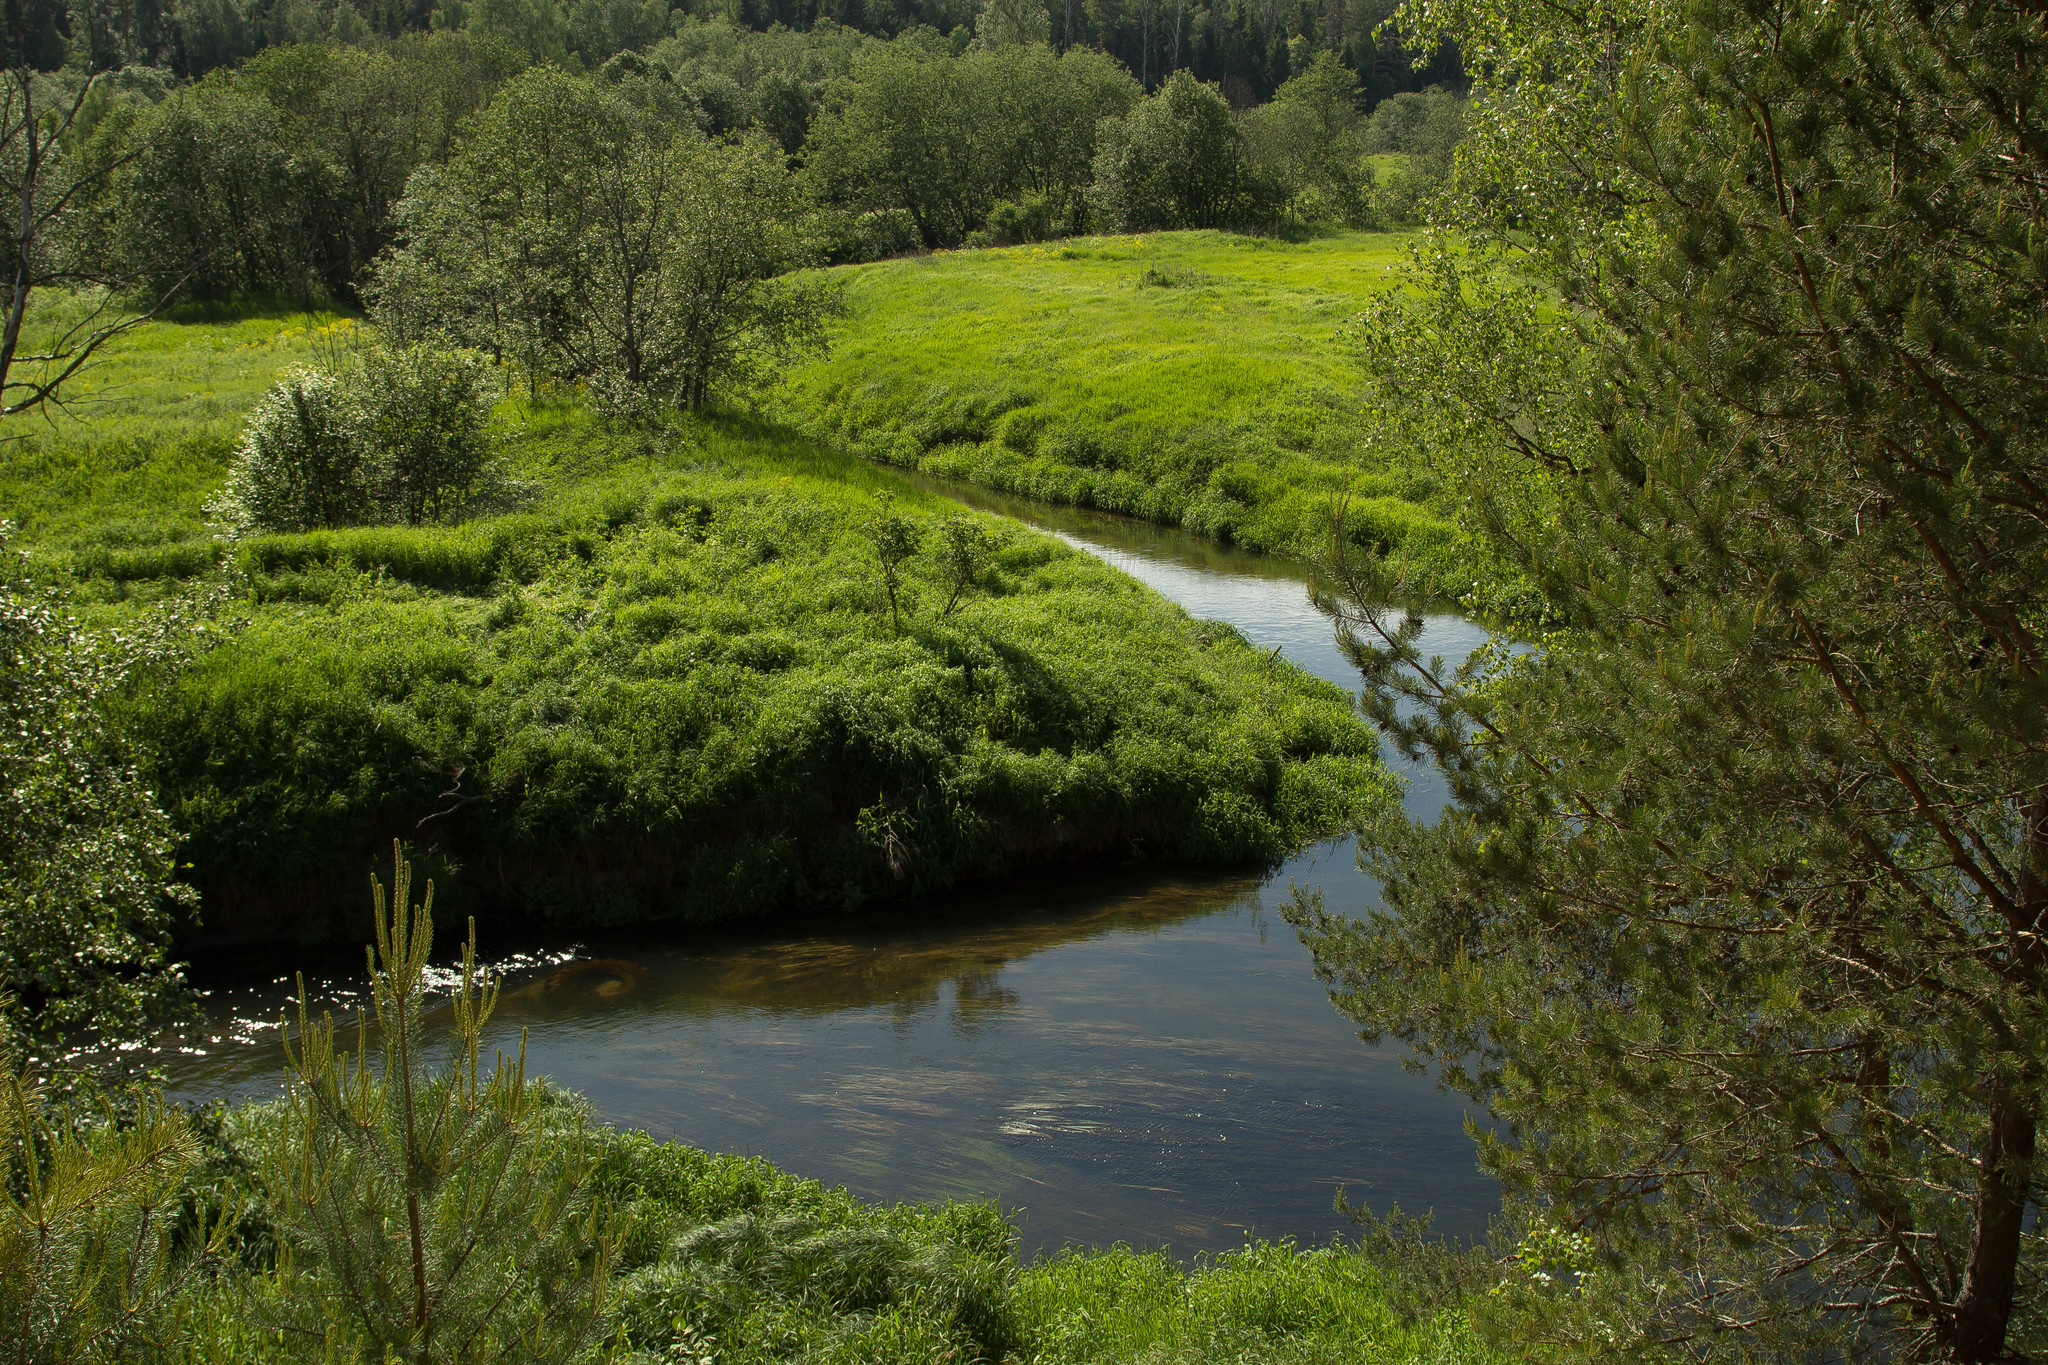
(1194, 379)
(670, 684)
(727, 1260)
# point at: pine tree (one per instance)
(438, 1217)
(96, 1256)
(1737, 924)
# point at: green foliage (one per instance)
(167, 410)
(1735, 924)
(384, 436)
(905, 1287)
(1306, 142)
(87, 882)
(965, 555)
(431, 1215)
(1420, 131)
(731, 1260)
(98, 1260)
(301, 464)
(896, 538)
(1178, 160)
(946, 139)
(283, 174)
(593, 241)
(424, 417)
(1267, 1304)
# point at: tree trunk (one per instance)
(1985, 1305)
(1984, 1308)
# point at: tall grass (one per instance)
(144, 437)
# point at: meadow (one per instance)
(665, 682)
(1193, 378)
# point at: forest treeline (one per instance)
(289, 172)
(1248, 47)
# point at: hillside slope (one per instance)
(1191, 378)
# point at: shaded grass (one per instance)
(1190, 378)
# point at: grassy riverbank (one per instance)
(729, 1261)
(1190, 378)
(668, 684)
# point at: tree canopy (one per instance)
(1736, 925)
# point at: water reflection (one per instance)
(1115, 1053)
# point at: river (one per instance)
(1140, 1056)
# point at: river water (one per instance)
(1140, 1056)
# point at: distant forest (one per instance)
(1249, 48)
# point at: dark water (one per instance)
(1135, 1055)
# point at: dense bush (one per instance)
(386, 436)
(282, 175)
(300, 463)
(945, 138)
(1306, 143)
(87, 880)
(588, 240)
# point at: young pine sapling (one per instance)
(441, 1217)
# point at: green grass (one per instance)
(1191, 378)
(669, 686)
(727, 1260)
(145, 438)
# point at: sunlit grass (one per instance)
(1267, 1304)
(1192, 378)
(664, 683)
(143, 437)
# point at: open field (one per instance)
(1191, 378)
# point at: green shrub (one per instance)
(1178, 160)
(425, 422)
(88, 887)
(1016, 221)
(300, 463)
(385, 436)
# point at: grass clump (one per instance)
(1269, 1303)
(1189, 378)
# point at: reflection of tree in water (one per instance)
(979, 999)
(899, 965)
